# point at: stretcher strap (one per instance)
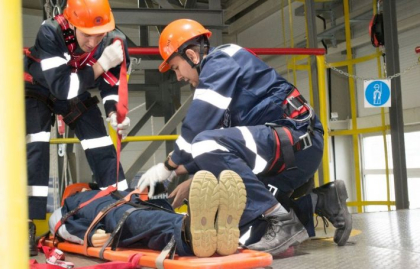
(132, 263)
(122, 105)
(118, 230)
(102, 214)
(97, 219)
(100, 194)
(169, 249)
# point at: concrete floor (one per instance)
(378, 240)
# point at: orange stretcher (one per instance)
(243, 258)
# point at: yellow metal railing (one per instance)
(323, 115)
(128, 139)
(355, 132)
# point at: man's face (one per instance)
(88, 42)
(183, 70)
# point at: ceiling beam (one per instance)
(256, 15)
(237, 7)
(161, 17)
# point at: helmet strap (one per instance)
(201, 55)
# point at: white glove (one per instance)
(155, 174)
(122, 127)
(112, 56)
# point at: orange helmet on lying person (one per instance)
(177, 36)
(92, 17)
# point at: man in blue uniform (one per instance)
(153, 223)
(73, 53)
(247, 118)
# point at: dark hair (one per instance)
(195, 44)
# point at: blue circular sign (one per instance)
(377, 93)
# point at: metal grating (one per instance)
(387, 240)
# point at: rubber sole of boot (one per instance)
(231, 206)
(342, 235)
(203, 203)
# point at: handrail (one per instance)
(258, 51)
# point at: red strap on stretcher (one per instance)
(122, 105)
(100, 194)
(102, 214)
(132, 263)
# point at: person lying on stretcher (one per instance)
(153, 224)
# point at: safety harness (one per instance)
(77, 61)
(376, 27)
(296, 108)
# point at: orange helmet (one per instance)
(175, 35)
(90, 16)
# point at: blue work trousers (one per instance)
(244, 149)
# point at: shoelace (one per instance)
(273, 226)
(326, 223)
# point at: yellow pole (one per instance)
(352, 90)
(323, 114)
(113, 135)
(14, 250)
(127, 139)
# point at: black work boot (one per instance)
(332, 205)
(231, 206)
(203, 202)
(33, 249)
(283, 231)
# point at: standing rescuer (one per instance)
(73, 53)
(247, 118)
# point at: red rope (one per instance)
(122, 105)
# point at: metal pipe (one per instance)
(128, 139)
(396, 116)
(258, 51)
(323, 115)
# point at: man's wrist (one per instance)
(169, 166)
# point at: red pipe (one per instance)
(417, 49)
(143, 51)
(287, 51)
(258, 51)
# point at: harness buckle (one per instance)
(291, 101)
(307, 141)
